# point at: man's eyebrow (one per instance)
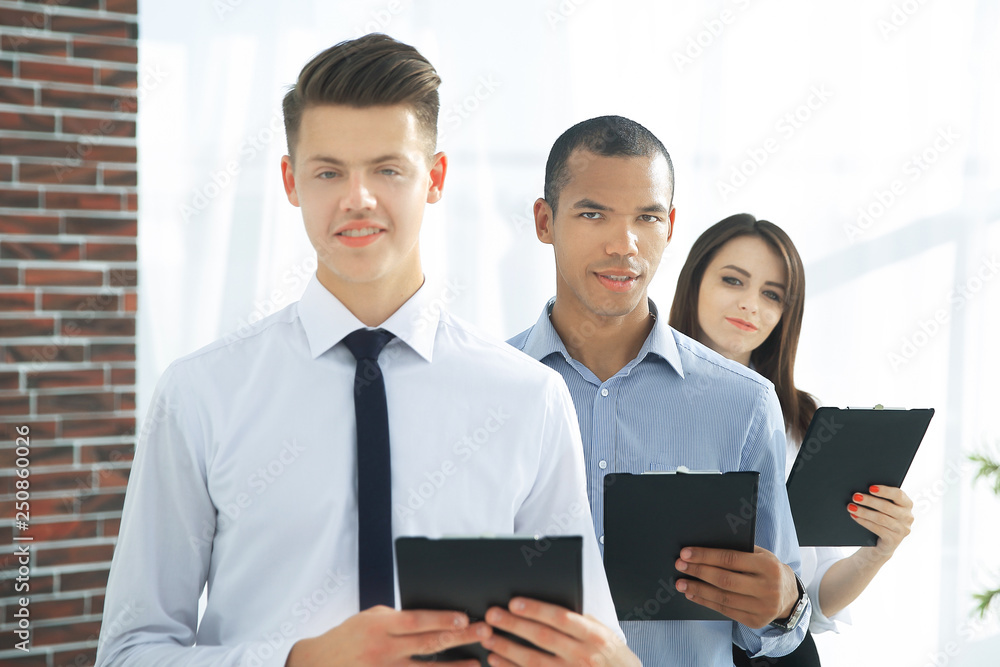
(327, 159)
(653, 208)
(591, 204)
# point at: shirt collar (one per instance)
(543, 340)
(326, 320)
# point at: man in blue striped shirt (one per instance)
(649, 398)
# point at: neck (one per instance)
(372, 302)
(604, 344)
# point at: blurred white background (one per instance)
(862, 128)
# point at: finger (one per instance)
(891, 493)
(737, 615)
(888, 522)
(512, 653)
(724, 579)
(885, 506)
(721, 597)
(429, 643)
(499, 661)
(727, 559)
(562, 619)
(411, 622)
(541, 635)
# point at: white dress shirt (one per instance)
(245, 478)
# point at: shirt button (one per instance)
(602, 464)
(604, 392)
(602, 539)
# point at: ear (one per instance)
(543, 220)
(288, 180)
(670, 233)
(439, 168)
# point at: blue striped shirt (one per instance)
(679, 403)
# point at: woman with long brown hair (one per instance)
(741, 292)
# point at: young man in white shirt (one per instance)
(484, 438)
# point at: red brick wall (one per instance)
(68, 96)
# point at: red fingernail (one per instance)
(852, 508)
(858, 497)
(855, 516)
(873, 489)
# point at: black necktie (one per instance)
(374, 478)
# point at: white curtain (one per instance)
(862, 128)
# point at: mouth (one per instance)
(741, 324)
(618, 282)
(359, 233)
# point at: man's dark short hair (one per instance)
(608, 136)
(374, 70)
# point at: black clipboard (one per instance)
(649, 518)
(845, 451)
(476, 573)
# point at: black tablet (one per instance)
(845, 451)
(649, 518)
(474, 574)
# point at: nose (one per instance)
(623, 240)
(358, 196)
(749, 302)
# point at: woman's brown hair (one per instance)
(775, 357)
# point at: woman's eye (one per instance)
(773, 296)
(730, 280)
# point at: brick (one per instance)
(38, 46)
(110, 528)
(106, 501)
(40, 584)
(27, 122)
(6, 172)
(79, 631)
(101, 50)
(40, 251)
(49, 455)
(25, 96)
(10, 380)
(78, 4)
(89, 302)
(118, 78)
(80, 402)
(81, 657)
(131, 302)
(64, 530)
(6, 68)
(123, 278)
(54, 481)
(131, 202)
(88, 26)
(22, 660)
(85, 200)
(66, 172)
(113, 478)
(28, 224)
(63, 505)
(111, 252)
(98, 326)
(20, 198)
(74, 378)
(27, 327)
(17, 301)
(55, 72)
(102, 226)
(98, 428)
(49, 609)
(41, 354)
(122, 376)
(126, 401)
(23, 18)
(15, 405)
(85, 580)
(68, 151)
(120, 177)
(76, 99)
(123, 6)
(39, 430)
(9, 275)
(101, 352)
(107, 453)
(107, 127)
(69, 277)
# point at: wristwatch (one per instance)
(787, 624)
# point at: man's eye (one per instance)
(388, 172)
(649, 218)
(327, 175)
(591, 215)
